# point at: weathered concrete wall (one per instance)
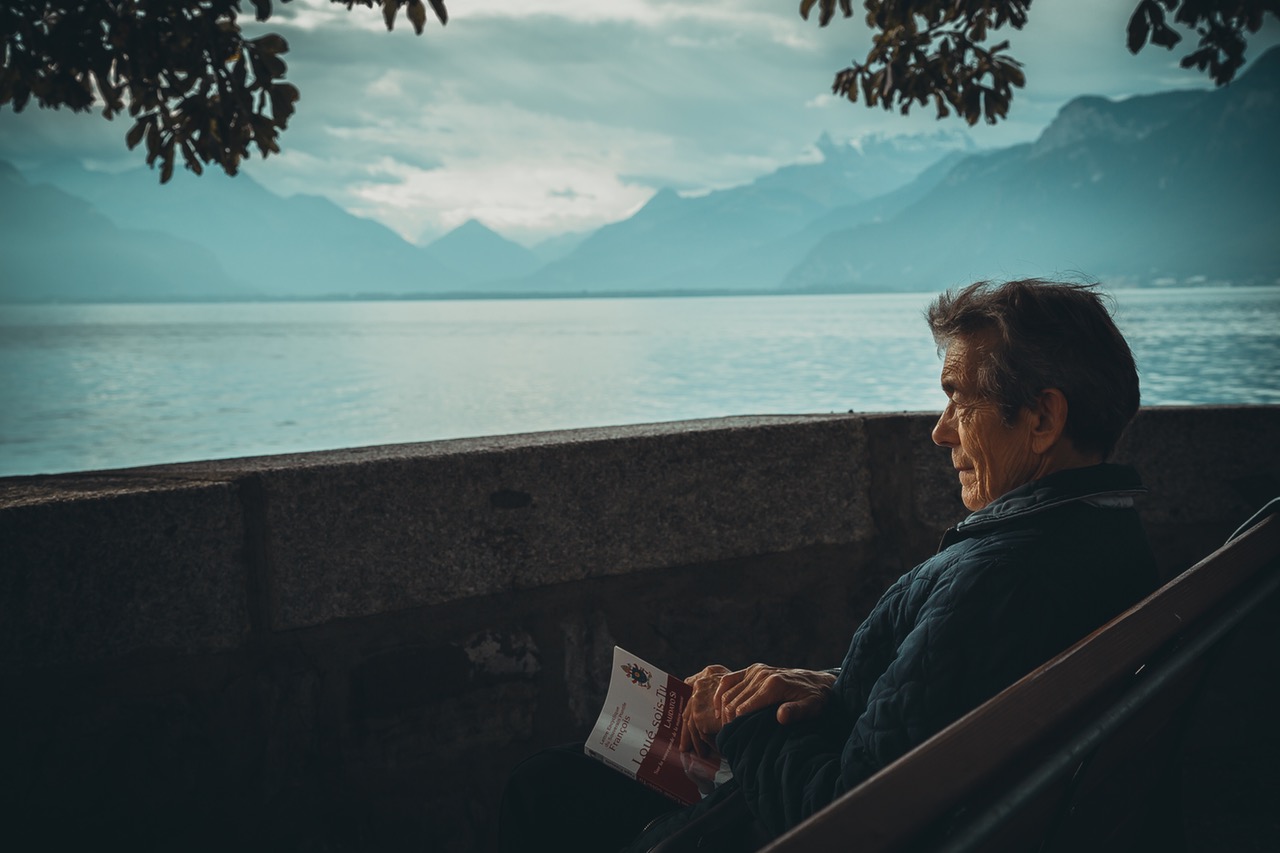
(350, 650)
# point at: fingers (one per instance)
(685, 743)
(692, 738)
(720, 696)
(692, 741)
(804, 709)
(728, 684)
(702, 746)
(752, 689)
(710, 673)
(698, 719)
(760, 686)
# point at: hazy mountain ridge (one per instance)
(1091, 118)
(56, 246)
(1171, 188)
(666, 241)
(482, 254)
(745, 237)
(867, 167)
(301, 246)
(1167, 188)
(555, 248)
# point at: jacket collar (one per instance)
(1104, 485)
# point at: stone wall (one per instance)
(350, 650)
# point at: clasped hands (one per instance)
(720, 696)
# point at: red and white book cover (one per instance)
(638, 732)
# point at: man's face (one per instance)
(990, 456)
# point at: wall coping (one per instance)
(205, 556)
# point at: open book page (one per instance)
(638, 732)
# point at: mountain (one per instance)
(746, 237)
(297, 247)
(482, 254)
(867, 167)
(555, 248)
(265, 246)
(1161, 189)
(666, 243)
(57, 247)
(765, 264)
(889, 204)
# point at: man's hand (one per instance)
(701, 720)
(803, 693)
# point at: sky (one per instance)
(559, 116)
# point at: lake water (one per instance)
(87, 387)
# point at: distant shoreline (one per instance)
(453, 296)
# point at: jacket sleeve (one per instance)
(975, 634)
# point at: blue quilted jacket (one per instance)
(1013, 584)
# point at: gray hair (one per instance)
(1043, 334)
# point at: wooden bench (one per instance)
(1067, 757)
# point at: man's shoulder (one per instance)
(1046, 555)
(1106, 485)
(970, 569)
(995, 553)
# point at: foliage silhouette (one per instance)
(191, 80)
(934, 50)
(194, 85)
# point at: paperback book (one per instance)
(638, 732)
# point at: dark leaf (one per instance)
(1200, 59)
(153, 141)
(271, 67)
(1165, 36)
(135, 134)
(190, 157)
(270, 44)
(972, 104)
(1138, 28)
(826, 11)
(442, 14)
(417, 15)
(283, 97)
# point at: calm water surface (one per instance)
(105, 386)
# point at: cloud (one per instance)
(516, 199)
(761, 16)
(509, 167)
(531, 107)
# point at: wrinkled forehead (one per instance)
(962, 358)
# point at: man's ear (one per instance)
(1049, 421)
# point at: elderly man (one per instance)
(1040, 384)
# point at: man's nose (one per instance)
(944, 431)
